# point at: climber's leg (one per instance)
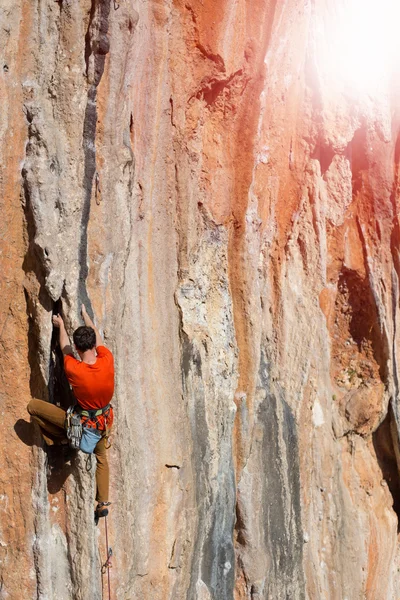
(50, 418)
(102, 471)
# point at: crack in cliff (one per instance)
(324, 154)
(96, 48)
(380, 338)
(212, 88)
(359, 159)
(215, 58)
(394, 249)
(59, 389)
(207, 54)
(386, 444)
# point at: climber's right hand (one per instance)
(57, 321)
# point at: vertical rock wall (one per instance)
(191, 172)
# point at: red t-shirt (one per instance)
(93, 385)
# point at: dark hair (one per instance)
(84, 338)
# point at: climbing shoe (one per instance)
(101, 511)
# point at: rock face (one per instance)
(190, 171)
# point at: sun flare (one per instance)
(361, 44)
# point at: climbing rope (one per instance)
(107, 565)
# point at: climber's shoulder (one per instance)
(70, 362)
(103, 352)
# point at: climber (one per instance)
(92, 380)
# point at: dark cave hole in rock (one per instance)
(59, 389)
(61, 394)
(358, 316)
(362, 317)
(324, 154)
(358, 156)
(240, 527)
(384, 439)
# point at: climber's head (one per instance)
(84, 338)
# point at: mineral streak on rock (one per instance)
(190, 171)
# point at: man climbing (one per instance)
(92, 380)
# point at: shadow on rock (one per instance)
(60, 457)
(26, 433)
(60, 465)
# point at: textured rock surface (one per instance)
(191, 170)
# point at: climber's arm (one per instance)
(63, 338)
(89, 323)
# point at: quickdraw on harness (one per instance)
(73, 427)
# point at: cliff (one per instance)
(227, 206)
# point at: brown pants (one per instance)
(51, 420)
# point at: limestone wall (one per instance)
(188, 170)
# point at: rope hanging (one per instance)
(107, 565)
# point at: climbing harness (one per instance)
(83, 430)
(92, 434)
(107, 565)
(92, 414)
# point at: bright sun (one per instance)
(362, 44)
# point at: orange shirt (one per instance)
(93, 385)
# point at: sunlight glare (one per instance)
(362, 45)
